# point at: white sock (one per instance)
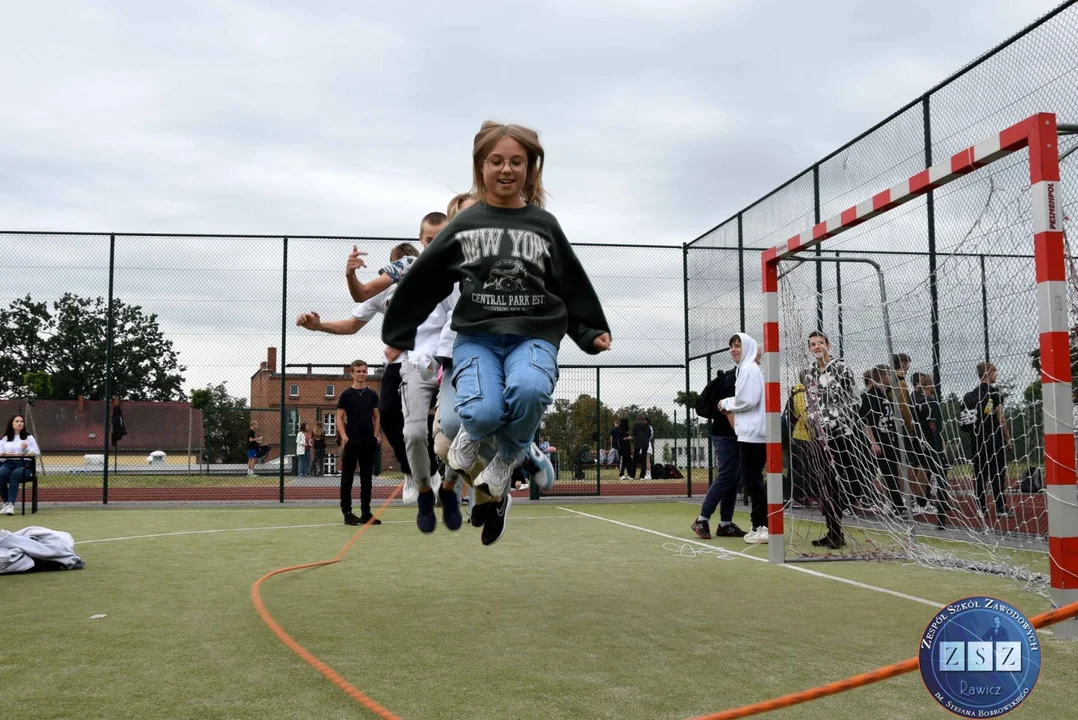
(725, 523)
(701, 519)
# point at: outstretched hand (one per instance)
(355, 261)
(310, 320)
(602, 343)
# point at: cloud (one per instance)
(334, 118)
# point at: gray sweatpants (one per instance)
(416, 395)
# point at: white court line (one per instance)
(788, 566)
(279, 527)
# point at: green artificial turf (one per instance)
(566, 617)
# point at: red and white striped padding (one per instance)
(1039, 134)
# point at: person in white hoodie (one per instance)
(745, 411)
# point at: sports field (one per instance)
(583, 610)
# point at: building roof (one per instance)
(63, 426)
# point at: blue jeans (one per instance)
(723, 491)
(504, 384)
(304, 462)
(11, 473)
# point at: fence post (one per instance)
(819, 266)
(933, 290)
(740, 272)
(838, 302)
(984, 313)
(598, 433)
(108, 369)
(284, 340)
(685, 275)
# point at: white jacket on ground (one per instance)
(747, 403)
(19, 550)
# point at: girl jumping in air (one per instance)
(522, 290)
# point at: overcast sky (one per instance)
(659, 119)
(356, 118)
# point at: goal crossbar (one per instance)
(1039, 134)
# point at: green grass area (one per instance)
(567, 617)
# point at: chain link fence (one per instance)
(193, 342)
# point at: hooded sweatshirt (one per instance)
(747, 404)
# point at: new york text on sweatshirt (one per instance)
(518, 275)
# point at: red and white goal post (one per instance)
(1039, 134)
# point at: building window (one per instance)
(293, 390)
(329, 424)
(329, 465)
(330, 391)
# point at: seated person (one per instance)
(18, 443)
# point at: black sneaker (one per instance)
(494, 526)
(425, 517)
(478, 515)
(830, 542)
(730, 530)
(350, 519)
(700, 527)
(450, 509)
(364, 519)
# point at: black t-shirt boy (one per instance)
(878, 412)
(359, 407)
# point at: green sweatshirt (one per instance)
(518, 276)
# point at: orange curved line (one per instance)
(1043, 620)
(308, 657)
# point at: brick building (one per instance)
(68, 430)
(310, 397)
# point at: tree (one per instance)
(570, 424)
(225, 421)
(69, 344)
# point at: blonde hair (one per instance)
(488, 136)
(455, 205)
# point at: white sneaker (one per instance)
(498, 475)
(524, 486)
(463, 452)
(410, 493)
(757, 537)
(930, 509)
(543, 476)
(647, 476)
(9, 508)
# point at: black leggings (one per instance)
(891, 468)
(389, 408)
(753, 462)
(625, 457)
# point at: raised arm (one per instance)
(427, 283)
(312, 321)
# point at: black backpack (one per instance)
(1031, 482)
(658, 472)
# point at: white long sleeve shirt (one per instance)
(14, 447)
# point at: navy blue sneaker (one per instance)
(425, 517)
(450, 508)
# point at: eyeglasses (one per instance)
(515, 163)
